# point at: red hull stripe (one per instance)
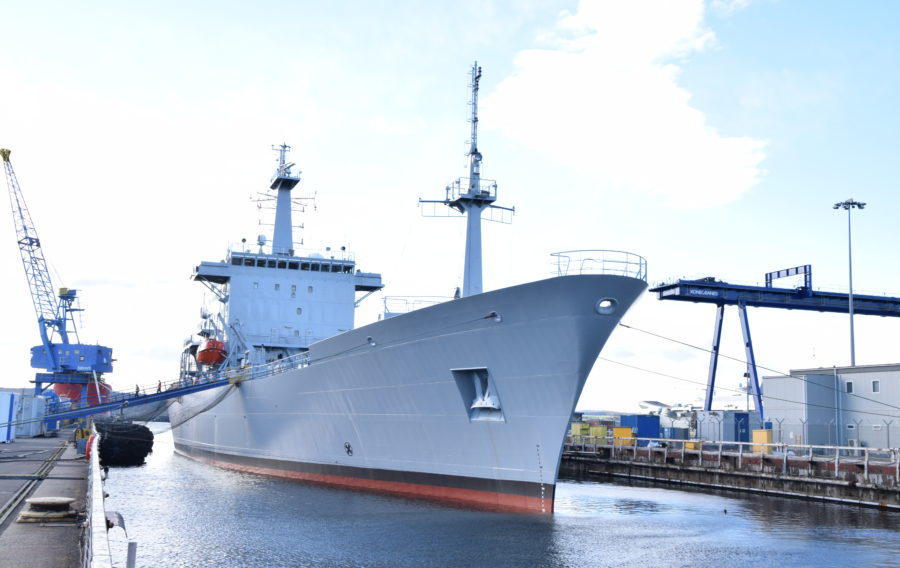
(482, 499)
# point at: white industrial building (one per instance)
(22, 415)
(846, 406)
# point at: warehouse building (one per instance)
(845, 406)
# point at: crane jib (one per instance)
(54, 311)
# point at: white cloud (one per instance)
(726, 8)
(605, 101)
(405, 126)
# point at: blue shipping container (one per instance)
(672, 433)
(644, 425)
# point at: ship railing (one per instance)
(486, 188)
(396, 305)
(875, 465)
(267, 250)
(249, 373)
(617, 262)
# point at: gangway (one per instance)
(120, 401)
(156, 393)
(711, 291)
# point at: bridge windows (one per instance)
(333, 266)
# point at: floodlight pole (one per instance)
(848, 205)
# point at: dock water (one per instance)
(51, 467)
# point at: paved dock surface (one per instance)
(23, 465)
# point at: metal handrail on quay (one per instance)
(880, 466)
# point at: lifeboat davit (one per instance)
(211, 352)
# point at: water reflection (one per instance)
(184, 513)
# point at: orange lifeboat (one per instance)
(211, 352)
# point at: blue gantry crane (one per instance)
(711, 291)
(63, 360)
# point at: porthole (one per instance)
(606, 306)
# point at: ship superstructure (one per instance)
(465, 400)
(274, 303)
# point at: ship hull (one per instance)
(389, 406)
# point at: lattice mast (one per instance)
(471, 196)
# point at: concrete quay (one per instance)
(849, 475)
(41, 467)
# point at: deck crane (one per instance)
(73, 366)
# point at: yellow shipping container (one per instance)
(579, 429)
(599, 432)
(624, 435)
(692, 445)
(762, 437)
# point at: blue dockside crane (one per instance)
(64, 361)
(711, 291)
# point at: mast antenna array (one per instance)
(471, 196)
(283, 182)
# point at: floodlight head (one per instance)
(849, 204)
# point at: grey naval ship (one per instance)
(466, 400)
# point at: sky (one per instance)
(710, 137)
